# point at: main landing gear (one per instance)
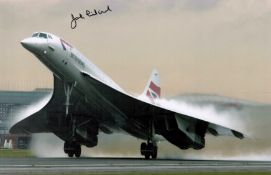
(72, 149)
(149, 150)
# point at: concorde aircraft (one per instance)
(86, 101)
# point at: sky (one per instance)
(207, 46)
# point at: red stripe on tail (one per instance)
(155, 88)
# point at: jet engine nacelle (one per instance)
(181, 140)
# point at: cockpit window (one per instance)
(35, 35)
(43, 35)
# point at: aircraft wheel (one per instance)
(154, 152)
(77, 151)
(70, 153)
(66, 146)
(143, 148)
(72, 149)
(147, 156)
(148, 150)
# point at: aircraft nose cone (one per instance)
(27, 43)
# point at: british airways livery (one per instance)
(86, 101)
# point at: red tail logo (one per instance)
(153, 92)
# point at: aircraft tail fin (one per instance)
(152, 89)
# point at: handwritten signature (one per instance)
(88, 14)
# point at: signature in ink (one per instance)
(88, 14)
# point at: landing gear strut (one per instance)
(72, 149)
(68, 87)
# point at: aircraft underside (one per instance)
(84, 130)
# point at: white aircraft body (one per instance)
(86, 101)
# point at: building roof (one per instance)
(22, 97)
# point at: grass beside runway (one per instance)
(15, 153)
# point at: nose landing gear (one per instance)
(71, 148)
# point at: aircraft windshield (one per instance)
(42, 35)
(35, 35)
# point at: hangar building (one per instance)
(11, 103)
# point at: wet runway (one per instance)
(68, 165)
